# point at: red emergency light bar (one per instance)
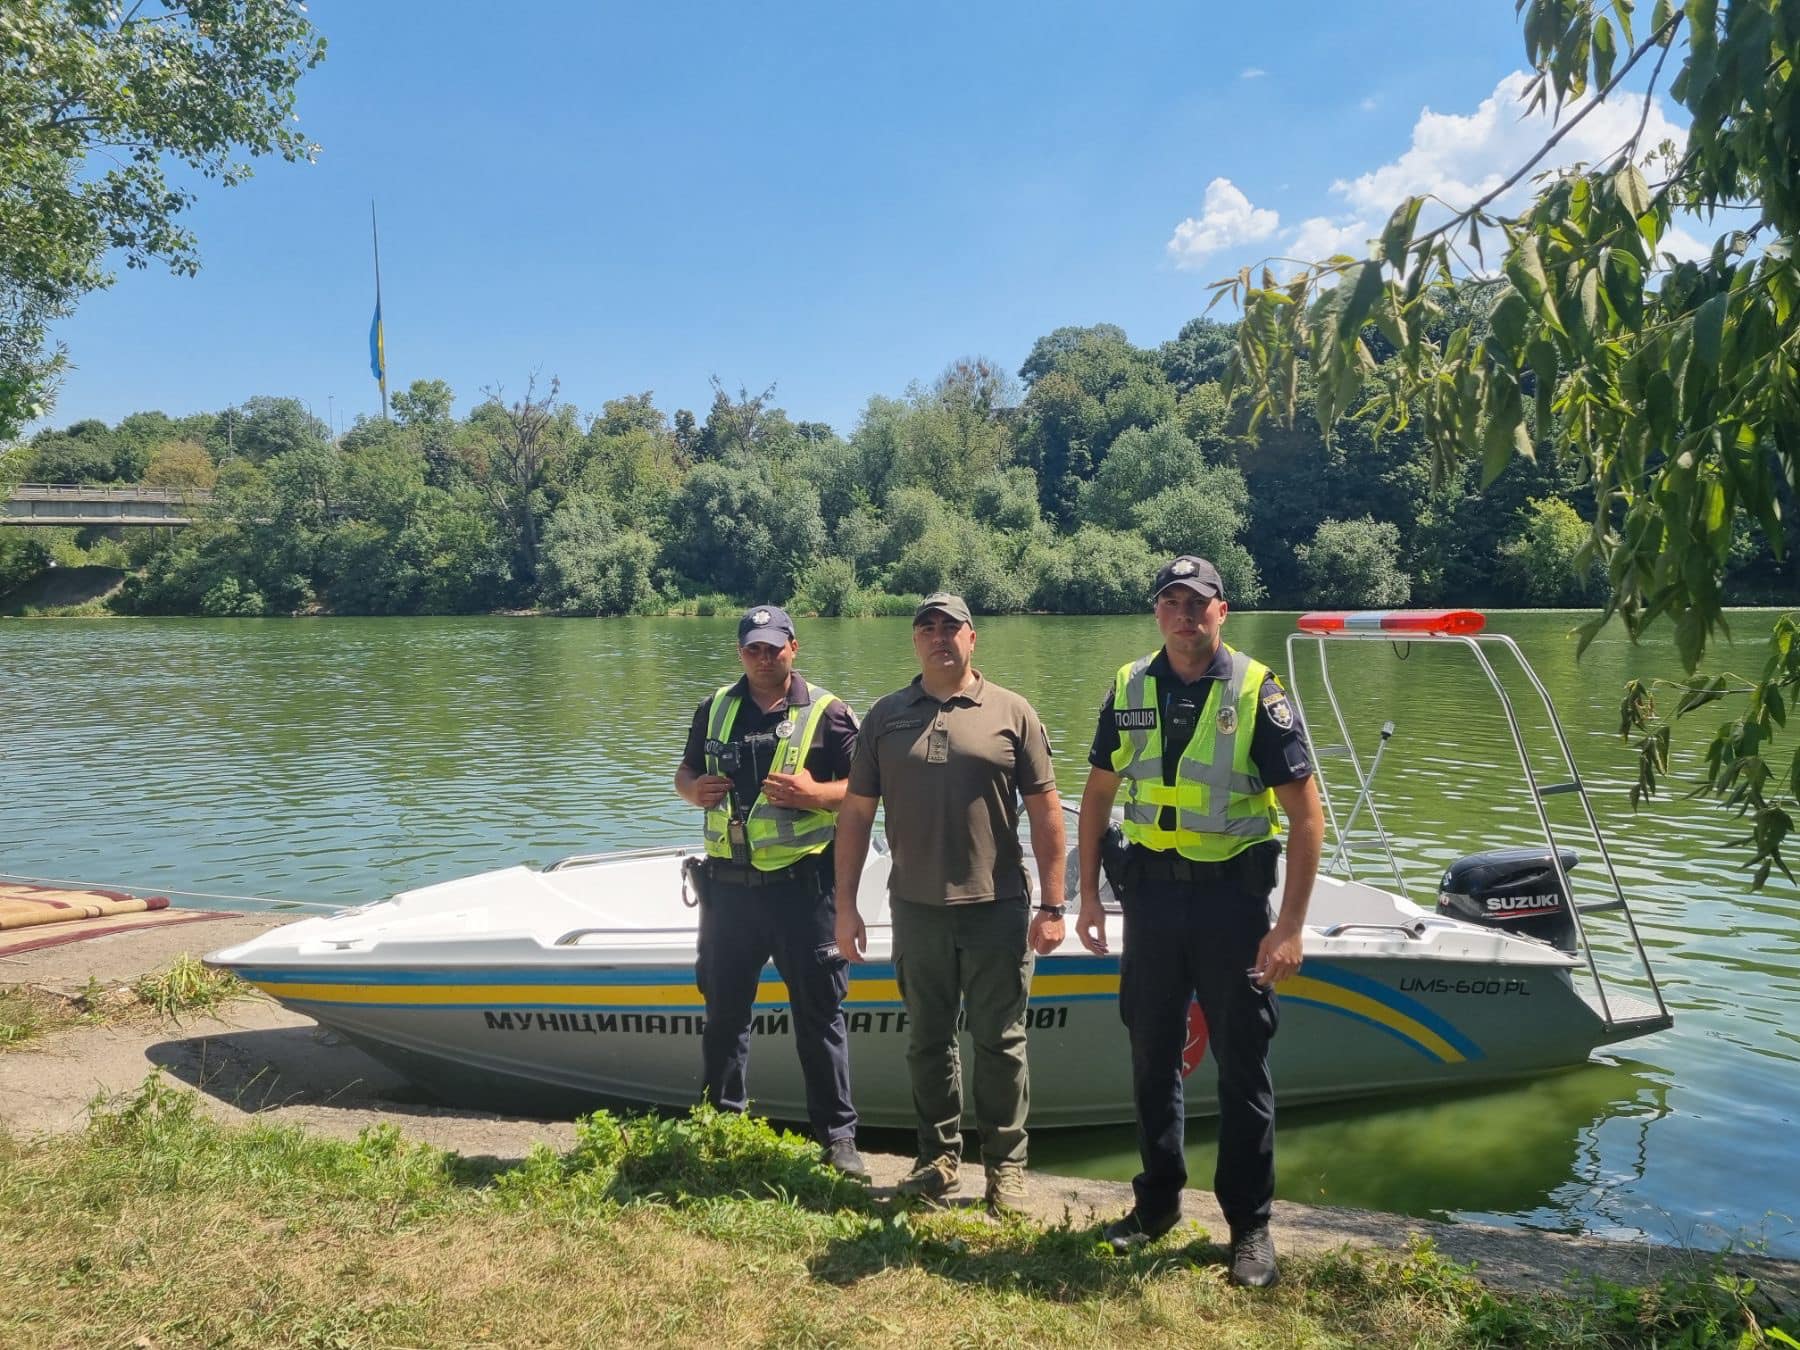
(1441, 622)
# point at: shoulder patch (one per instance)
(1276, 705)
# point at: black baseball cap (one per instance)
(765, 623)
(950, 606)
(1196, 574)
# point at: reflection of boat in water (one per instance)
(571, 985)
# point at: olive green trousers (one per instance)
(957, 965)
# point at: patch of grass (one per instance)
(702, 606)
(186, 985)
(160, 1223)
(24, 1013)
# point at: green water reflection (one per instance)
(336, 761)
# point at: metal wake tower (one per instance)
(1624, 1015)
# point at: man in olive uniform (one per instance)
(767, 759)
(1205, 745)
(951, 756)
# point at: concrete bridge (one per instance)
(68, 504)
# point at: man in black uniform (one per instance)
(767, 759)
(1205, 744)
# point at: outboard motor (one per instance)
(1515, 889)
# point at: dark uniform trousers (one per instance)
(742, 927)
(1192, 938)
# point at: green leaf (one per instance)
(1361, 288)
(1508, 323)
(1690, 638)
(1525, 269)
(1603, 52)
(1504, 412)
(1542, 355)
(1709, 330)
(1659, 405)
(1397, 237)
(1590, 300)
(1634, 193)
(1700, 694)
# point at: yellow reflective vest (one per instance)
(778, 836)
(1221, 805)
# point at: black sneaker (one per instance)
(1133, 1231)
(1253, 1258)
(841, 1156)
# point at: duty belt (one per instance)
(1149, 864)
(806, 870)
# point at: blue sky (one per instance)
(835, 198)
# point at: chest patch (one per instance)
(912, 724)
(1134, 719)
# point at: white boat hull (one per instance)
(550, 992)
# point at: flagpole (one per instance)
(375, 236)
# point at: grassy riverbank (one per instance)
(158, 1223)
(185, 985)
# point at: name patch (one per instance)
(1134, 719)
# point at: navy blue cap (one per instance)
(765, 623)
(1196, 574)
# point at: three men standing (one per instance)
(950, 756)
(1209, 754)
(1205, 744)
(767, 758)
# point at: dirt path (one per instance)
(258, 1061)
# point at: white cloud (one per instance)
(1321, 237)
(1226, 219)
(1369, 104)
(1454, 157)
(1461, 158)
(1252, 73)
(1683, 245)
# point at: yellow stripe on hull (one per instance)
(637, 996)
(1346, 1000)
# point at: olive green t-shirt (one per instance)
(950, 776)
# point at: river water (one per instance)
(337, 760)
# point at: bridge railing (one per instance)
(76, 492)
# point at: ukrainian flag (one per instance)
(377, 347)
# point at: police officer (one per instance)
(767, 758)
(1205, 745)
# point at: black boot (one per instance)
(841, 1155)
(1253, 1258)
(1134, 1230)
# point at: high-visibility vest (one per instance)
(778, 836)
(1221, 805)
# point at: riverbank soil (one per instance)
(252, 1060)
(62, 588)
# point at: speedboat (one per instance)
(563, 988)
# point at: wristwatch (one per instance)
(1054, 911)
